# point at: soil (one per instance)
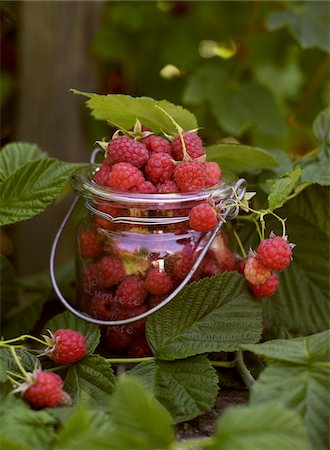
(204, 425)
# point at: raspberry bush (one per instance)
(253, 307)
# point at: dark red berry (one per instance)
(131, 291)
(275, 253)
(158, 282)
(157, 144)
(110, 271)
(266, 289)
(193, 143)
(203, 217)
(45, 390)
(159, 167)
(189, 176)
(125, 176)
(139, 348)
(90, 244)
(102, 176)
(69, 346)
(125, 149)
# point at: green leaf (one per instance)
(259, 427)
(91, 379)
(123, 110)
(30, 429)
(321, 127)
(303, 388)
(240, 158)
(11, 444)
(214, 314)
(301, 350)
(28, 361)
(317, 169)
(282, 187)
(15, 155)
(148, 430)
(308, 22)
(301, 304)
(187, 388)
(31, 188)
(87, 329)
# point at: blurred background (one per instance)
(256, 71)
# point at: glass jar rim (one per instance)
(84, 186)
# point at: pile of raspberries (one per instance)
(123, 276)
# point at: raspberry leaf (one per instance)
(214, 314)
(31, 188)
(259, 427)
(282, 187)
(28, 361)
(301, 363)
(91, 379)
(68, 320)
(240, 158)
(15, 155)
(187, 388)
(123, 110)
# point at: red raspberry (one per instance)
(226, 260)
(139, 348)
(90, 245)
(100, 305)
(155, 300)
(131, 291)
(193, 143)
(125, 149)
(158, 282)
(241, 266)
(144, 188)
(180, 264)
(124, 176)
(255, 272)
(203, 217)
(212, 173)
(111, 271)
(189, 176)
(120, 312)
(167, 187)
(90, 280)
(117, 339)
(102, 176)
(46, 390)
(159, 167)
(209, 265)
(69, 346)
(267, 289)
(275, 253)
(157, 144)
(112, 211)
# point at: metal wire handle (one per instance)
(231, 211)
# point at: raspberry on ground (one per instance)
(45, 390)
(255, 272)
(69, 346)
(266, 289)
(90, 244)
(193, 143)
(102, 176)
(275, 253)
(139, 348)
(125, 149)
(158, 282)
(212, 173)
(189, 176)
(167, 187)
(203, 217)
(131, 291)
(157, 144)
(111, 271)
(159, 167)
(124, 176)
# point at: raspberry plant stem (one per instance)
(22, 338)
(129, 360)
(18, 362)
(239, 242)
(243, 370)
(17, 375)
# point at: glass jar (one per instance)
(133, 251)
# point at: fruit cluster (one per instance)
(260, 267)
(129, 268)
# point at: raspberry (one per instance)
(180, 264)
(203, 217)
(112, 211)
(167, 187)
(157, 144)
(131, 291)
(189, 176)
(209, 265)
(255, 272)
(90, 279)
(158, 282)
(212, 173)
(139, 347)
(90, 245)
(155, 300)
(266, 289)
(193, 143)
(102, 176)
(111, 271)
(46, 390)
(125, 149)
(124, 176)
(159, 167)
(275, 253)
(144, 188)
(100, 305)
(117, 339)
(69, 346)
(241, 266)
